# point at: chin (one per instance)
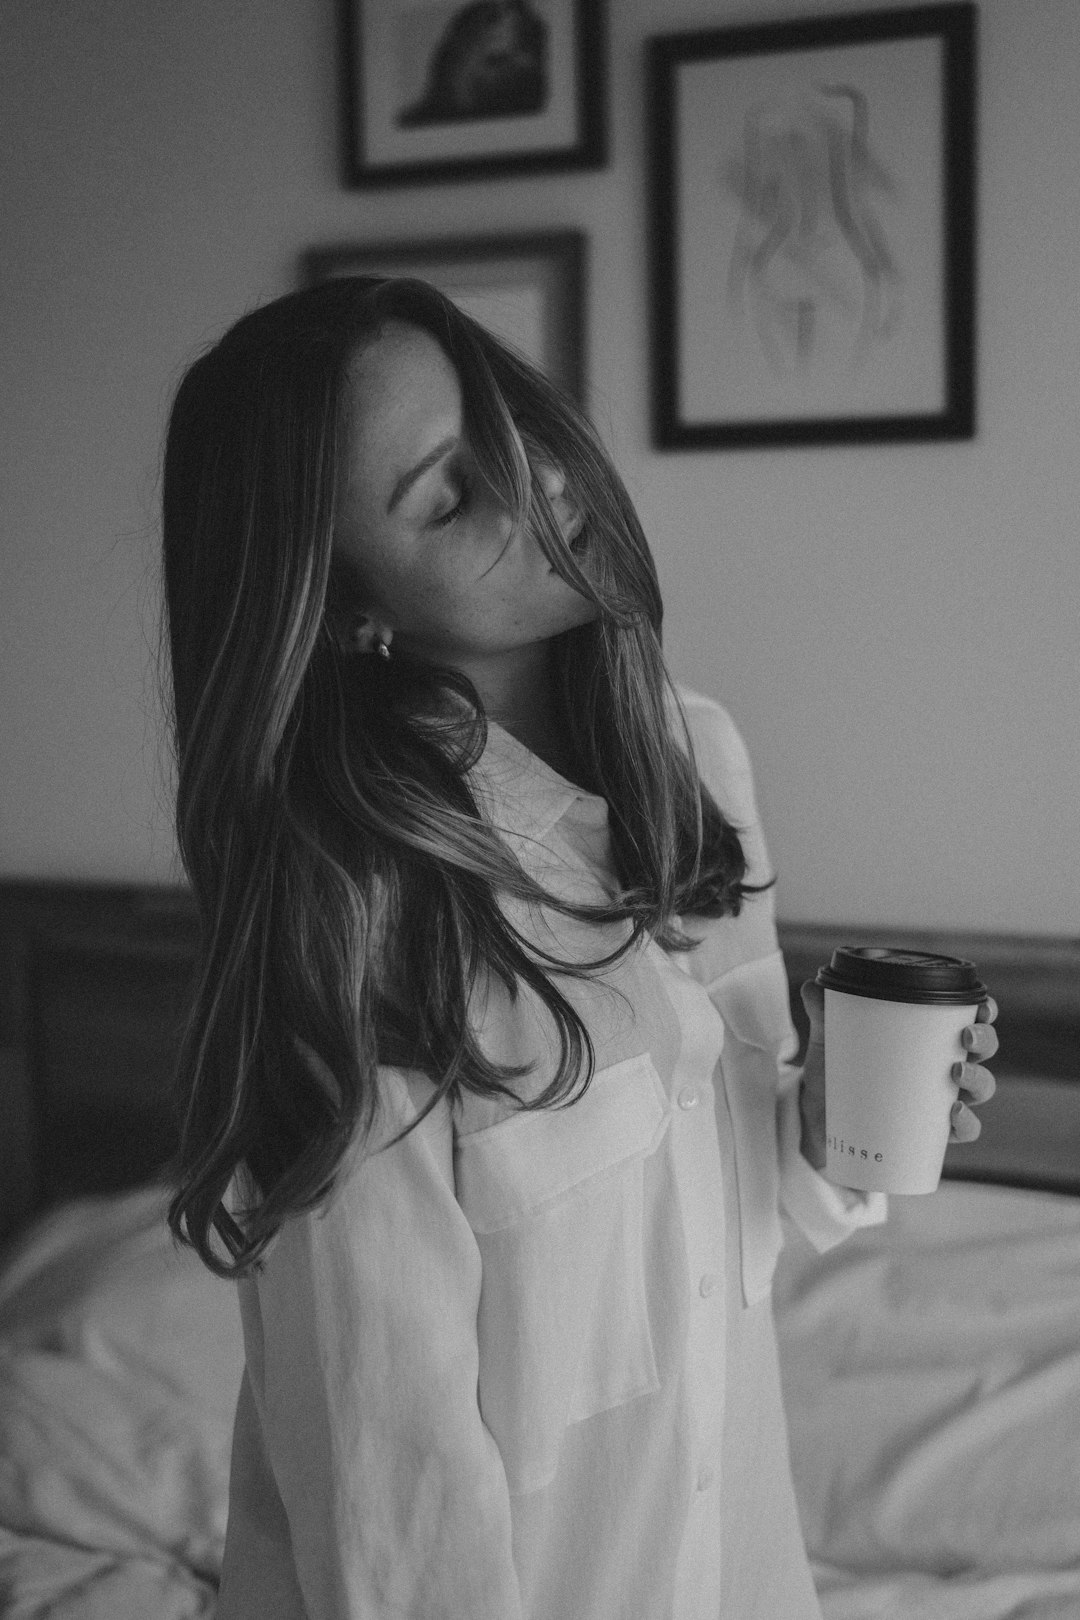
(577, 621)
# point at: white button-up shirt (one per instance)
(522, 1367)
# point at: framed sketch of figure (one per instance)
(813, 230)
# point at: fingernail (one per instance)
(957, 1071)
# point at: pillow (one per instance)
(120, 1363)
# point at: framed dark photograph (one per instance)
(528, 290)
(460, 89)
(813, 220)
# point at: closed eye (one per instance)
(443, 520)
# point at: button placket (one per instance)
(696, 1152)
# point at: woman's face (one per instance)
(442, 566)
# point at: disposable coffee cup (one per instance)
(892, 1035)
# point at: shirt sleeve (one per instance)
(394, 1490)
(823, 1213)
(754, 1001)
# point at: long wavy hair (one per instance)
(347, 882)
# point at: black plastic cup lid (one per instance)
(889, 974)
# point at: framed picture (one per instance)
(456, 89)
(528, 290)
(813, 217)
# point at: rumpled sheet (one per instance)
(40, 1577)
(931, 1371)
(120, 1361)
(932, 1381)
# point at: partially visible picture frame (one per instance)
(470, 89)
(527, 289)
(813, 217)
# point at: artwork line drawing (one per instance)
(811, 267)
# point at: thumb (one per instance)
(813, 999)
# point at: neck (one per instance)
(543, 734)
(517, 690)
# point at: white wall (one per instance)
(894, 628)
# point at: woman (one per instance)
(483, 1097)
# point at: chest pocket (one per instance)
(555, 1199)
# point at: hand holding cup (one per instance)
(899, 1034)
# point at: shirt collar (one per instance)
(523, 796)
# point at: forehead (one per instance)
(402, 385)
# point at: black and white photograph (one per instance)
(539, 833)
(445, 88)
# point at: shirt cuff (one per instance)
(825, 1214)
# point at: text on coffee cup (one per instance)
(838, 1145)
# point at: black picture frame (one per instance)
(409, 122)
(528, 288)
(774, 324)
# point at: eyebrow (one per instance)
(407, 479)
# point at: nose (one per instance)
(552, 481)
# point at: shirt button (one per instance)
(688, 1097)
(705, 1479)
(708, 1284)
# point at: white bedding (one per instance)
(932, 1372)
(932, 1378)
(120, 1359)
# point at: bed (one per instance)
(931, 1367)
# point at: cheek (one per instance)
(434, 597)
(391, 581)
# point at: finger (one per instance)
(977, 1085)
(965, 1125)
(988, 1011)
(980, 1039)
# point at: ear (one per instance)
(365, 635)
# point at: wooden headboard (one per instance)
(95, 979)
(94, 985)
